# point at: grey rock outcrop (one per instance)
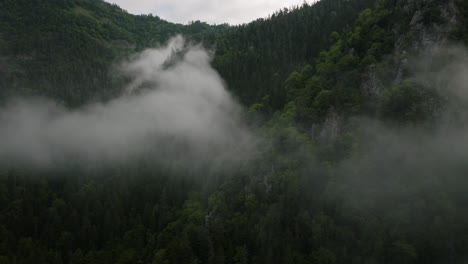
(422, 37)
(329, 129)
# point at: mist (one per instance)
(176, 107)
(394, 166)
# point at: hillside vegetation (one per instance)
(359, 105)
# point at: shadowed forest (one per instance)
(327, 133)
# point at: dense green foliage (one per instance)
(301, 201)
(255, 58)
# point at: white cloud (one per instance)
(211, 11)
(183, 115)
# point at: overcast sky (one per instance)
(211, 11)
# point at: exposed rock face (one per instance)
(329, 129)
(424, 35)
(371, 84)
(210, 218)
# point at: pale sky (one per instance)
(211, 11)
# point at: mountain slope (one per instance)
(362, 157)
(64, 49)
(255, 57)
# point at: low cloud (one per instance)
(176, 108)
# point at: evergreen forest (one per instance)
(330, 132)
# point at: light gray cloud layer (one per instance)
(184, 113)
(211, 11)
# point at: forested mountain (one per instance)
(357, 110)
(255, 57)
(63, 49)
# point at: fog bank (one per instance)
(176, 107)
